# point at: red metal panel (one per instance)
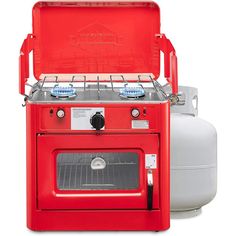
(96, 37)
(49, 197)
(103, 220)
(118, 118)
(121, 219)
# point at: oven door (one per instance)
(96, 171)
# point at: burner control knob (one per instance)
(97, 121)
(60, 113)
(135, 113)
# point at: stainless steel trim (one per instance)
(96, 102)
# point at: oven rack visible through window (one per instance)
(75, 171)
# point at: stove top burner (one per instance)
(63, 92)
(103, 89)
(132, 92)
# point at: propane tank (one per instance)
(193, 157)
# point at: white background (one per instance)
(203, 32)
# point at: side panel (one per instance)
(31, 166)
(165, 166)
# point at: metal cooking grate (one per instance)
(75, 171)
(127, 92)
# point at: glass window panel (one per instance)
(97, 171)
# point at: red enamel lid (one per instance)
(96, 37)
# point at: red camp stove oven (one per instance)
(97, 119)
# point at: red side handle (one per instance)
(170, 62)
(25, 50)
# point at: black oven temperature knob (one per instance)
(97, 121)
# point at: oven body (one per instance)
(64, 192)
(115, 178)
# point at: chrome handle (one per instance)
(149, 190)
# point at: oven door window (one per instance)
(97, 171)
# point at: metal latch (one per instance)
(176, 99)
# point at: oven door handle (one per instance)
(149, 190)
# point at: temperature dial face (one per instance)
(135, 113)
(60, 113)
(98, 163)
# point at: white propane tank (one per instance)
(193, 157)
